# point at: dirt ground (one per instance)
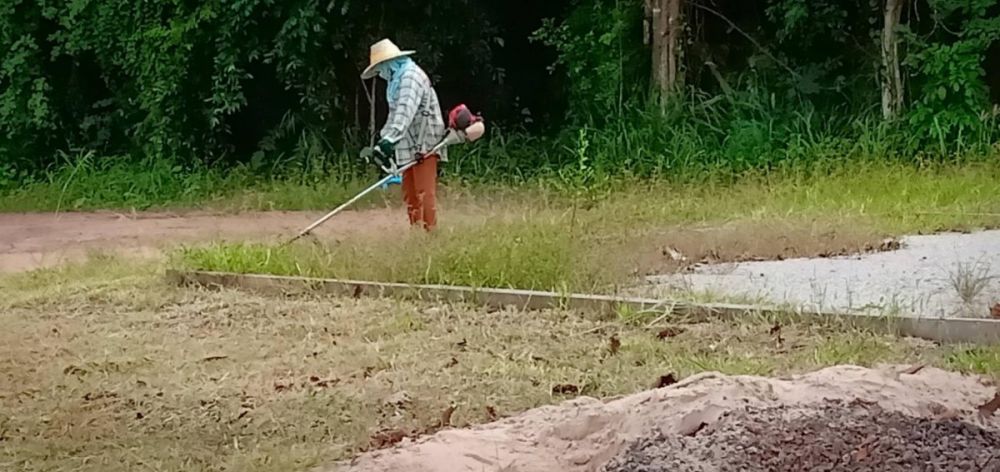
(200, 380)
(684, 249)
(105, 367)
(35, 240)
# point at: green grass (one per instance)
(533, 254)
(663, 154)
(983, 360)
(893, 198)
(545, 239)
(90, 183)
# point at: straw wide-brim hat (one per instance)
(382, 51)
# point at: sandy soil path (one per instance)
(35, 240)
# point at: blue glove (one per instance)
(394, 180)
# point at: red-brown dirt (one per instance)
(35, 240)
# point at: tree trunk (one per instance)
(892, 78)
(666, 27)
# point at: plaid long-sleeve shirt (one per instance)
(415, 122)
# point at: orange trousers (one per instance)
(420, 192)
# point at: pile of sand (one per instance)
(585, 434)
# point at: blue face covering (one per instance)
(391, 72)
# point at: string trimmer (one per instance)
(463, 127)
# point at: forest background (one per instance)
(118, 103)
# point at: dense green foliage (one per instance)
(952, 100)
(190, 92)
(191, 81)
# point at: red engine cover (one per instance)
(460, 118)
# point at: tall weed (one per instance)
(530, 254)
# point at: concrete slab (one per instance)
(943, 275)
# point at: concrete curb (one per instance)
(948, 330)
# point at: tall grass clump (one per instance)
(535, 254)
(724, 139)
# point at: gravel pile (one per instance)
(835, 436)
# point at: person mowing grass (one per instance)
(415, 124)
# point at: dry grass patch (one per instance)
(121, 372)
(667, 250)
